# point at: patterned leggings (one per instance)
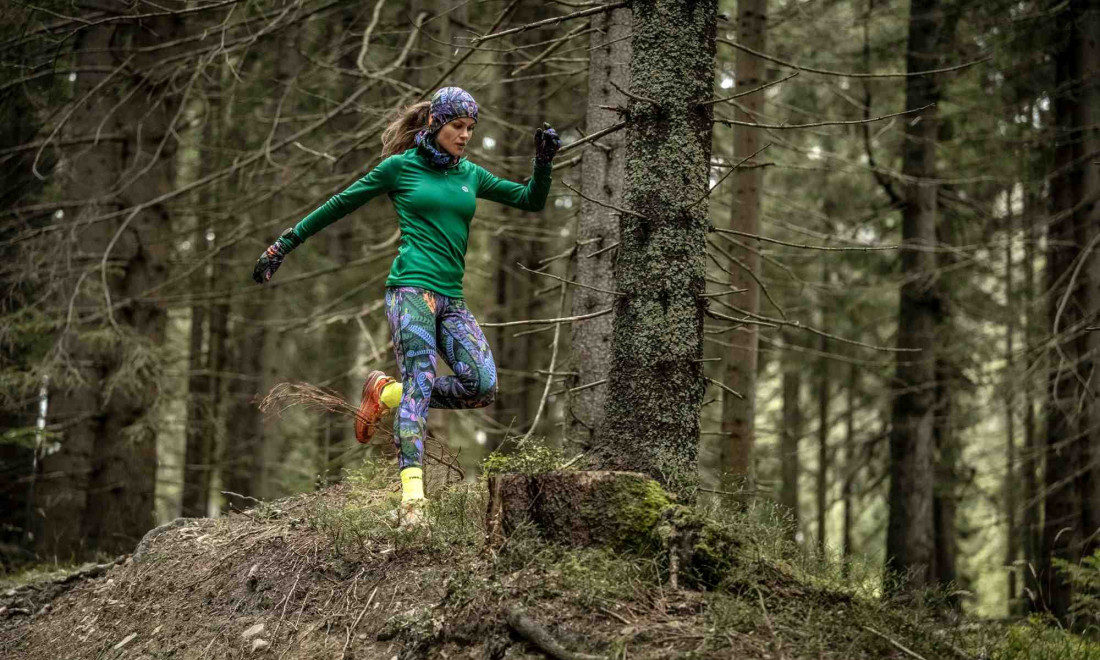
(423, 323)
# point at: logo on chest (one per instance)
(465, 189)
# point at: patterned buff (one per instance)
(448, 104)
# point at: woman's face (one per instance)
(454, 135)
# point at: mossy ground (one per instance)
(330, 576)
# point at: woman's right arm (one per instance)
(381, 179)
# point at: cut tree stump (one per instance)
(618, 509)
(625, 511)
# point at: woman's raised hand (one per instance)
(547, 144)
(273, 256)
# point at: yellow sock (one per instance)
(391, 395)
(412, 483)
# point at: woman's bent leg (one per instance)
(467, 353)
(412, 316)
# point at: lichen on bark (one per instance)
(656, 382)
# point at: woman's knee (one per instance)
(487, 394)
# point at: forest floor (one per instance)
(329, 575)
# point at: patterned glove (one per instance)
(273, 256)
(547, 144)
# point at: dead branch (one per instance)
(851, 122)
(749, 91)
(567, 319)
(848, 74)
(570, 282)
(526, 627)
(550, 21)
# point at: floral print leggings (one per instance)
(424, 323)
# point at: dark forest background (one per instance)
(884, 176)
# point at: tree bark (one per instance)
(791, 434)
(738, 415)
(519, 357)
(1012, 535)
(656, 381)
(823, 425)
(96, 490)
(1072, 482)
(602, 173)
(910, 531)
(1031, 458)
(851, 461)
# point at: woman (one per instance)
(433, 189)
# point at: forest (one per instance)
(824, 267)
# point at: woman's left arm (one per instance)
(530, 197)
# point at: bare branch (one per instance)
(550, 21)
(567, 319)
(570, 282)
(848, 74)
(868, 248)
(852, 122)
(603, 204)
(595, 136)
(725, 387)
(750, 91)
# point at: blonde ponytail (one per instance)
(401, 133)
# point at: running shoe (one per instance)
(371, 408)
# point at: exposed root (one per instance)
(526, 627)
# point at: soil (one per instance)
(328, 575)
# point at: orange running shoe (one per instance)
(371, 408)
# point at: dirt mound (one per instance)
(328, 575)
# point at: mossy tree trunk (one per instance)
(656, 381)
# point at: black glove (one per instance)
(547, 144)
(273, 256)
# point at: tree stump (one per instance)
(617, 509)
(626, 511)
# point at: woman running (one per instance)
(434, 190)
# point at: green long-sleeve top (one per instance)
(434, 209)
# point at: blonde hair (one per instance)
(401, 133)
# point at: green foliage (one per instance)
(1085, 578)
(1041, 639)
(531, 456)
(369, 517)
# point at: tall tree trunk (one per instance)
(851, 461)
(602, 173)
(201, 424)
(1072, 481)
(656, 380)
(1012, 535)
(97, 489)
(945, 493)
(791, 434)
(1031, 462)
(738, 414)
(519, 357)
(823, 425)
(910, 531)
